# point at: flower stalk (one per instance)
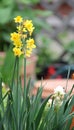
(24, 79)
(17, 92)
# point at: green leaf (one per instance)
(0, 89)
(7, 2)
(25, 1)
(47, 118)
(6, 36)
(6, 67)
(68, 124)
(35, 104)
(5, 12)
(28, 87)
(68, 117)
(43, 13)
(40, 112)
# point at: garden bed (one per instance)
(50, 85)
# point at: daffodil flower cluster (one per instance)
(22, 41)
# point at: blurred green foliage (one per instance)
(70, 49)
(45, 55)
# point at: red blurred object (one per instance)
(51, 70)
(65, 9)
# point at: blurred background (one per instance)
(54, 37)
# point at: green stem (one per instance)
(25, 78)
(17, 93)
(24, 96)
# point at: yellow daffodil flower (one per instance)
(30, 43)
(29, 25)
(18, 43)
(17, 51)
(15, 36)
(18, 19)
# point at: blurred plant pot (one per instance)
(30, 65)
